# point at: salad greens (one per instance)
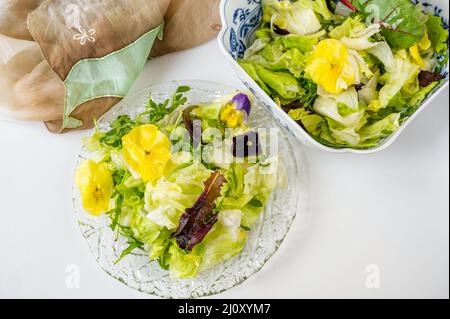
(350, 77)
(187, 212)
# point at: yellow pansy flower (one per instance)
(329, 66)
(231, 116)
(146, 150)
(96, 185)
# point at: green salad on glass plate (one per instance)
(181, 184)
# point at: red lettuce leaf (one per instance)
(198, 220)
(426, 78)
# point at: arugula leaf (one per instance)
(124, 231)
(132, 242)
(163, 260)
(157, 111)
(121, 126)
(403, 24)
(154, 112)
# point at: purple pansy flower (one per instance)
(242, 103)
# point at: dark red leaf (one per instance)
(198, 220)
(426, 78)
(189, 124)
(280, 31)
(292, 106)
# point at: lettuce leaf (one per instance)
(144, 229)
(346, 136)
(295, 17)
(395, 79)
(380, 129)
(283, 83)
(354, 34)
(256, 47)
(328, 105)
(248, 189)
(437, 34)
(406, 103)
(369, 92)
(304, 44)
(231, 222)
(292, 60)
(382, 51)
(220, 245)
(167, 198)
(185, 265)
(251, 69)
(346, 28)
(251, 212)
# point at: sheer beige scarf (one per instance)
(37, 50)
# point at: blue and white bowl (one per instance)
(240, 20)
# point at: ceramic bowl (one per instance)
(240, 20)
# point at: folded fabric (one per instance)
(67, 62)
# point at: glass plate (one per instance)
(137, 271)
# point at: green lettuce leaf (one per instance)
(329, 105)
(395, 79)
(220, 245)
(283, 83)
(144, 229)
(354, 34)
(346, 136)
(251, 212)
(380, 129)
(167, 199)
(251, 69)
(346, 28)
(248, 189)
(184, 265)
(296, 17)
(437, 34)
(406, 103)
(304, 44)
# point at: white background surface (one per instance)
(389, 209)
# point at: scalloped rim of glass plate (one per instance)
(298, 168)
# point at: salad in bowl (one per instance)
(185, 183)
(349, 73)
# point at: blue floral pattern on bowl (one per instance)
(241, 19)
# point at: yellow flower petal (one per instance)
(425, 43)
(329, 66)
(146, 150)
(96, 185)
(232, 117)
(374, 106)
(417, 59)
